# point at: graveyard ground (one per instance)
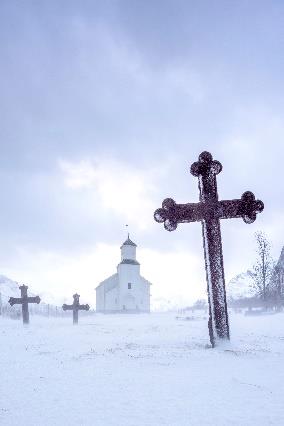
(140, 370)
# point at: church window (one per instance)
(129, 286)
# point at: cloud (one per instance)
(177, 275)
(120, 188)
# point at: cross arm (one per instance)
(84, 307)
(35, 299)
(67, 307)
(247, 208)
(172, 213)
(15, 301)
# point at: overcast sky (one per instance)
(104, 106)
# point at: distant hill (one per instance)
(8, 288)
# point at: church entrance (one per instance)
(130, 303)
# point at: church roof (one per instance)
(128, 242)
(109, 283)
(130, 262)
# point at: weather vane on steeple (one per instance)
(127, 230)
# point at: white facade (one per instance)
(127, 290)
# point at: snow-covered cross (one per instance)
(24, 300)
(209, 211)
(75, 307)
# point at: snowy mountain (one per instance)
(240, 286)
(8, 288)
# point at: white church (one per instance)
(127, 290)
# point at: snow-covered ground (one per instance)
(140, 370)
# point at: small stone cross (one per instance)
(75, 307)
(24, 300)
(209, 211)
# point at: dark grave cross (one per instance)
(24, 300)
(75, 307)
(209, 211)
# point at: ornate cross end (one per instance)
(76, 297)
(64, 307)
(167, 214)
(36, 299)
(24, 287)
(205, 165)
(11, 301)
(250, 207)
(85, 307)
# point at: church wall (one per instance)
(100, 302)
(138, 297)
(104, 294)
(111, 300)
(146, 288)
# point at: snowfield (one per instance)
(140, 370)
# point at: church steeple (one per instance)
(128, 252)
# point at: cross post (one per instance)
(75, 307)
(24, 300)
(209, 211)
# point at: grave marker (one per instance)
(24, 300)
(209, 211)
(75, 307)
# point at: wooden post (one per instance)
(76, 305)
(25, 306)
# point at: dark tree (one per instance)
(263, 268)
(277, 282)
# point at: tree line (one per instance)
(268, 276)
(267, 281)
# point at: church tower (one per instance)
(129, 277)
(128, 252)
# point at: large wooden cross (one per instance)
(24, 300)
(209, 211)
(75, 307)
